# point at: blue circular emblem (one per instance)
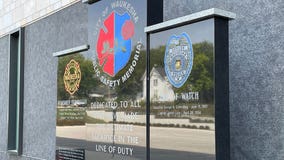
(178, 59)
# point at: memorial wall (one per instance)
(102, 91)
(182, 92)
(101, 108)
(89, 103)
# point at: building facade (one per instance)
(256, 70)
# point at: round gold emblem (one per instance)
(72, 77)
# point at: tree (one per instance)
(201, 76)
(133, 85)
(87, 83)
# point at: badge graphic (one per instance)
(72, 77)
(114, 42)
(117, 44)
(178, 59)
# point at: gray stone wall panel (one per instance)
(256, 73)
(174, 9)
(60, 31)
(4, 49)
(256, 43)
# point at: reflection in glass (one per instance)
(182, 93)
(94, 120)
(117, 105)
(106, 116)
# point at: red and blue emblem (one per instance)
(114, 43)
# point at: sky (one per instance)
(198, 32)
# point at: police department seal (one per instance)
(178, 59)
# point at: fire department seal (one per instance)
(72, 77)
(178, 59)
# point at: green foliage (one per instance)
(130, 88)
(165, 125)
(87, 73)
(201, 76)
(157, 57)
(70, 116)
(200, 79)
(70, 122)
(92, 120)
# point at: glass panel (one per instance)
(117, 126)
(74, 84)
(182, 93)
(102, 114)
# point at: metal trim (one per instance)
(89, 1)
(205, 14)
(71, 50)
(221, 89)
(20, 95)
